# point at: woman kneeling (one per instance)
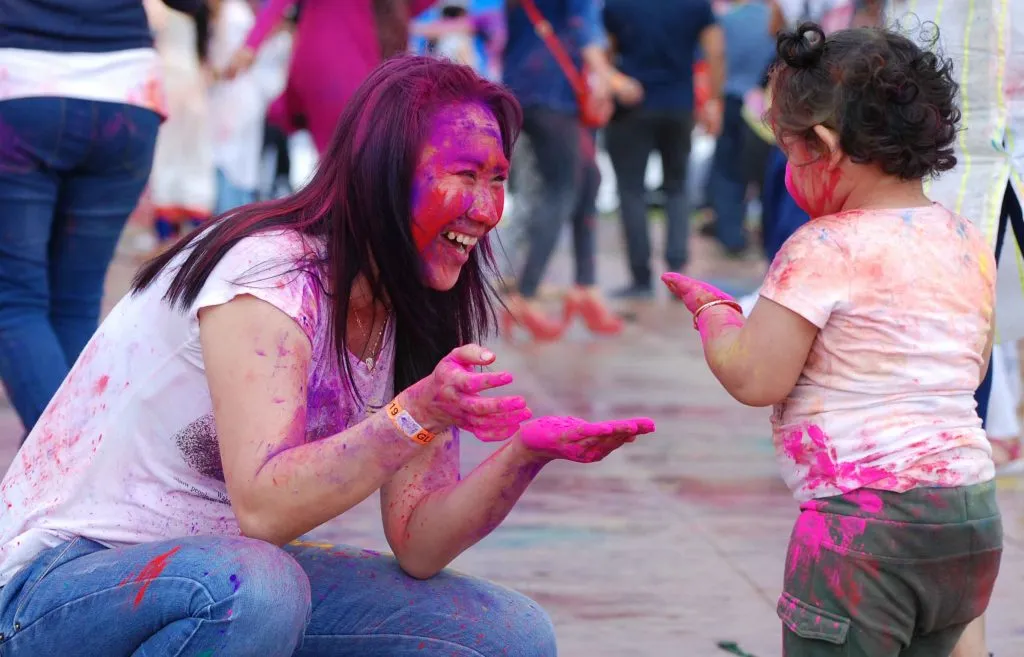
(229, 406)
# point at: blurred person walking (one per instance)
(557, 66)
(337, 44)
(81, 101)
(182, 183)
(238, 107)
(654, 44)
(749, 27)
(986, 43)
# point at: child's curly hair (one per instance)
(892, 103)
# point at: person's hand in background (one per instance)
(628, 91)
(710, 116)
(240, 62)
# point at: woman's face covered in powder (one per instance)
(458, 190)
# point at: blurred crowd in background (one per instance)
(251, 92)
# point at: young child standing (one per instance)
(873, 329)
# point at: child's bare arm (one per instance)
(757, 361)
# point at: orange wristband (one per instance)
(407, 425)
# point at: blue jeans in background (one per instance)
(1010, 216)
(727, 185)
(237, 597)
(780, 215)
(71, 172)
(631, 137)
(230, 195)
(564, 178)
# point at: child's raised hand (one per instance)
(573, 439)
(691, 292)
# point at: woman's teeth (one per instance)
(463, 242)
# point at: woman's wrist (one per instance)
(415, 415)
(526, 455)
(412, 401)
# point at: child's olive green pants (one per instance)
(880, 574)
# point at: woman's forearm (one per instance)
(448, 521)
(300, 488)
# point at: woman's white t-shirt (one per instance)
(127, 452)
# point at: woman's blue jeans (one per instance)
(71, 171)
(238, 597)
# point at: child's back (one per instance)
(903, 300)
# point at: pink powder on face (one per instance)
(460, 173)
(815, 192)
(791, 188)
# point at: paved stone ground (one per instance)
(677, 541)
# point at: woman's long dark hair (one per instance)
(359, 203)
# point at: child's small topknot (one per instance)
(892, 102)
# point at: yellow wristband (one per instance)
(407, 425)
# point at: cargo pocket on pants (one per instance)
(808, 628)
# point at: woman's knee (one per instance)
(266, 582)
(524, 629)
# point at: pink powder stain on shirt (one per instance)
(818, 455)
(101, 384)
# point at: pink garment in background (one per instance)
(336, 47)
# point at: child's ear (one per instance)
(830, 139)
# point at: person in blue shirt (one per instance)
(749, 27)
(655, 42)
(562, 153)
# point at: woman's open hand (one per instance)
(450, 396)
(577, 440)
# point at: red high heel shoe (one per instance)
(519, 311)
(596, 315)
